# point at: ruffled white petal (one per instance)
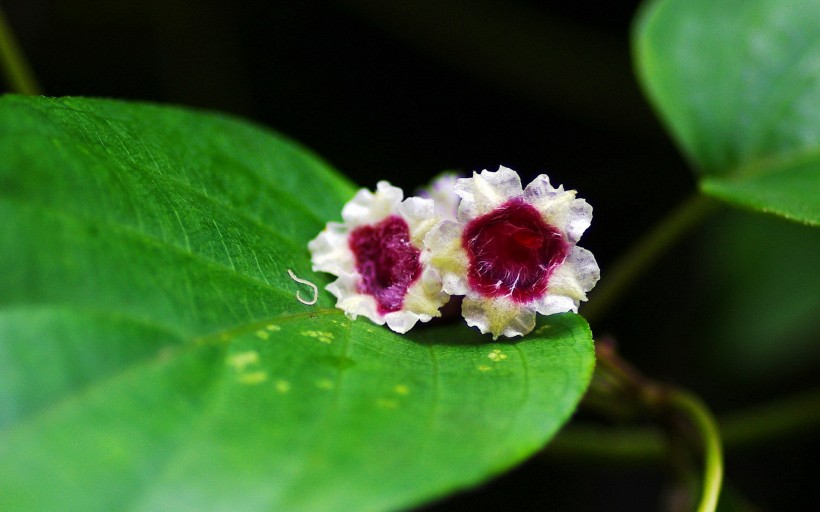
(500, 316)
(351, 301)
(420, 215)
(485, 191)
(329, 251)
(569, 283)
(559, 207)
(426, 295)
(421, 303)
(550, 304)
(444, 253)
(368, 208)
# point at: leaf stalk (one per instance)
(645, 252)
(15, 67)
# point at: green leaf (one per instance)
(153, 355)
(738, 84)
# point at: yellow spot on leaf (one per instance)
(282, 386)
(484, 368)
(273, 328)
(322, 336)
(242, 359)
(262, 335)
(496, 355)
(543, 328)
(253, 378)
(401, 389)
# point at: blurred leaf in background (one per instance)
(738, 84)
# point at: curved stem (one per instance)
(645, 252)
(17, 71)
(702, 419)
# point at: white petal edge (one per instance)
(569, 283)
(329, 251)
(368, 208)
(443, 251)
(420, 215)
(351, 302)
(403, 321)
(485, 191)
(559, 207)
(497, 316)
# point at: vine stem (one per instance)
(18, 73)
(676, 410)
(646, 251)
(704, 422)
(740, 429)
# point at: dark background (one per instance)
(404, 90)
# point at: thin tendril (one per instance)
(313, 287)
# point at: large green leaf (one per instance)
(738, 84)
(153, 355)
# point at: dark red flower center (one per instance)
(512, 252)
(386, 260)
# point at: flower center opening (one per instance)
(512, 252)
(386, 260)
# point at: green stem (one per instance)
(645, 252)
(740, 429)
(18, 73)
(702, 419)
(762, 423)
(588, 443)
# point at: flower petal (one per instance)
(577, 275)
(497, 316)
(485, 191)
(329, 251)
(559, 207)
(426, 295)
(420, 215)
(351, 302)
(445, 253)
(367, 207)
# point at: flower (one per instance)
(512, 252)
(377, 255)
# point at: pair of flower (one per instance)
(511, 252)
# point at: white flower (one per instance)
(512, 251)
(377, 255)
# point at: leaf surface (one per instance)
(738, 84)
(153, 355)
